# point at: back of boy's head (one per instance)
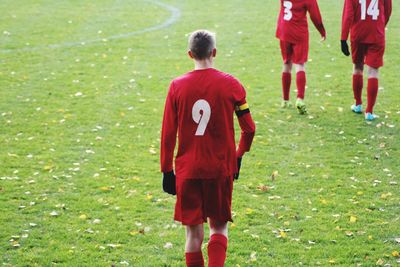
(201, 44)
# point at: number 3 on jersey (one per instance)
(373, 9)
(201, 113)
(288, 10)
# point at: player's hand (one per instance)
(169, 182)
(345, 48)
(239, 164)
(323, 38)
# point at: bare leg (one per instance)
(300, 67)
(373, 72)
(194, 237)
(287, 67)
(217, 227)
(358, 69)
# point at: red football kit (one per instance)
(366, 20)
(292, 28)
(199, 109)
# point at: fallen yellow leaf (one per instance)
(385, 196)
(395, 254)
(105, 188)
(47, 167)
(353, 219)
(274, 175)
(282, 234)
(249, 211)
(133, 233)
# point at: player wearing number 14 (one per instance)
(199, 108)
(365, 20)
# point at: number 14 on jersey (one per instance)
(373, 9)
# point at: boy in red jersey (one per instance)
(292, 31)
(365, 20)
(199, 107)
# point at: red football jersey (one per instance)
(292, 23)
(365, 20)
(199, 107)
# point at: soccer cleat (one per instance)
(301, 106)
(370, 116)
(356, 108)
(286, 104)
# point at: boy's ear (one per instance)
(190, 54)
(214, 52)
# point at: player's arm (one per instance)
(347, 20)
(316, 17)
(248, 129)
(168, 142)
(388, 10)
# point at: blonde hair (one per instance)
(202, 43)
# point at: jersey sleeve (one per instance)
(248, 129)
(246, 122)
(347, 19)
(169, 132)
(388, 10)
(279, 22)
(316, 17)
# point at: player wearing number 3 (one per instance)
(292, 31)
(199, 108)
(365, 20)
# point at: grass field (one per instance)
(82, 89)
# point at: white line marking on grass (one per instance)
(175, 15)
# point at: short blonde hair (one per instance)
(202, 43)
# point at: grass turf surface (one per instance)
(80, 126)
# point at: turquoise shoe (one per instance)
(370, 116)
(356, 108)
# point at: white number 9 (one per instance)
(201, 113)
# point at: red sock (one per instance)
(358, 84)
(301, 84)
(194, 259)
(372, 94)
(217, 250)
(286, 81)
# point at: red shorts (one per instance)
(295, 53)
(370, 54)
(199, 199)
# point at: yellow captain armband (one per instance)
(242, 109)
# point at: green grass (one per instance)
(80, 128)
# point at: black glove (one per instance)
(345, 48)
(239, 164)
(169, 182)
